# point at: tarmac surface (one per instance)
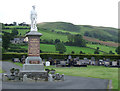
(71, 82)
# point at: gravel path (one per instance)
(71, 82)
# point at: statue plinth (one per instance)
(34, 43)
(33, 51)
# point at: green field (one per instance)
(51, 48)
(102, 47)
(1, 71)
(22, 31)
(90, 71)
(47, 34)
(16, 26)
(52, 35)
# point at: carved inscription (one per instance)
(34, 62)
(34, 46)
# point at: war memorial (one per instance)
(33, 63)
(33, 69)
(33, 74)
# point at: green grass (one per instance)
(51, 48)
(17, 26)
(52, 35)
(19, 64)
(22, 31)
(57, 30)
(84, 29)
(102, 47)
(46, 34)
(78, 49)
(90, 71)
(1, 71)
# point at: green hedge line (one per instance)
(17, 50)
(6, 56)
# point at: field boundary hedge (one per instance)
(6, 56)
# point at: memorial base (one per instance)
(30, 59)
(39, 67)
(34, 74)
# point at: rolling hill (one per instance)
(60, 26)
(60, 30)
(101, 33)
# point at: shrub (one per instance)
(6, 56)
(17, 50)
(81, 52)
(73, 52)
(118, 50)
(60, 47)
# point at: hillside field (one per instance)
(59, 32)
(102, 47)
(51, 48)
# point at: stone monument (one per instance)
(33, 63)
(33, 69)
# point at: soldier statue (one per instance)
(33, 17)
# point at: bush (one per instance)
(73, 52)
(17, 50)
(60, 47)
(81, 52)
(96, 52)
(110, 52)
(6, 56)
(118, 50)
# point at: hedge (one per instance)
(6, 56)
(17, 50)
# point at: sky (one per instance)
(79, 12)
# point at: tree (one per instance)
(14, 23)
(60, 47)
(41, 51)
(70, 37)
(118, 50)
(52, 30)
(57, 41)
(73, 52)
(20, 34)
(81, 52)
(6, 40)
(14, 32)
(76, 40)
(79, 41)
(96, 51)
(3, 50)
(3, 26)
(86, 33)
(98, 48)
(110, 52)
